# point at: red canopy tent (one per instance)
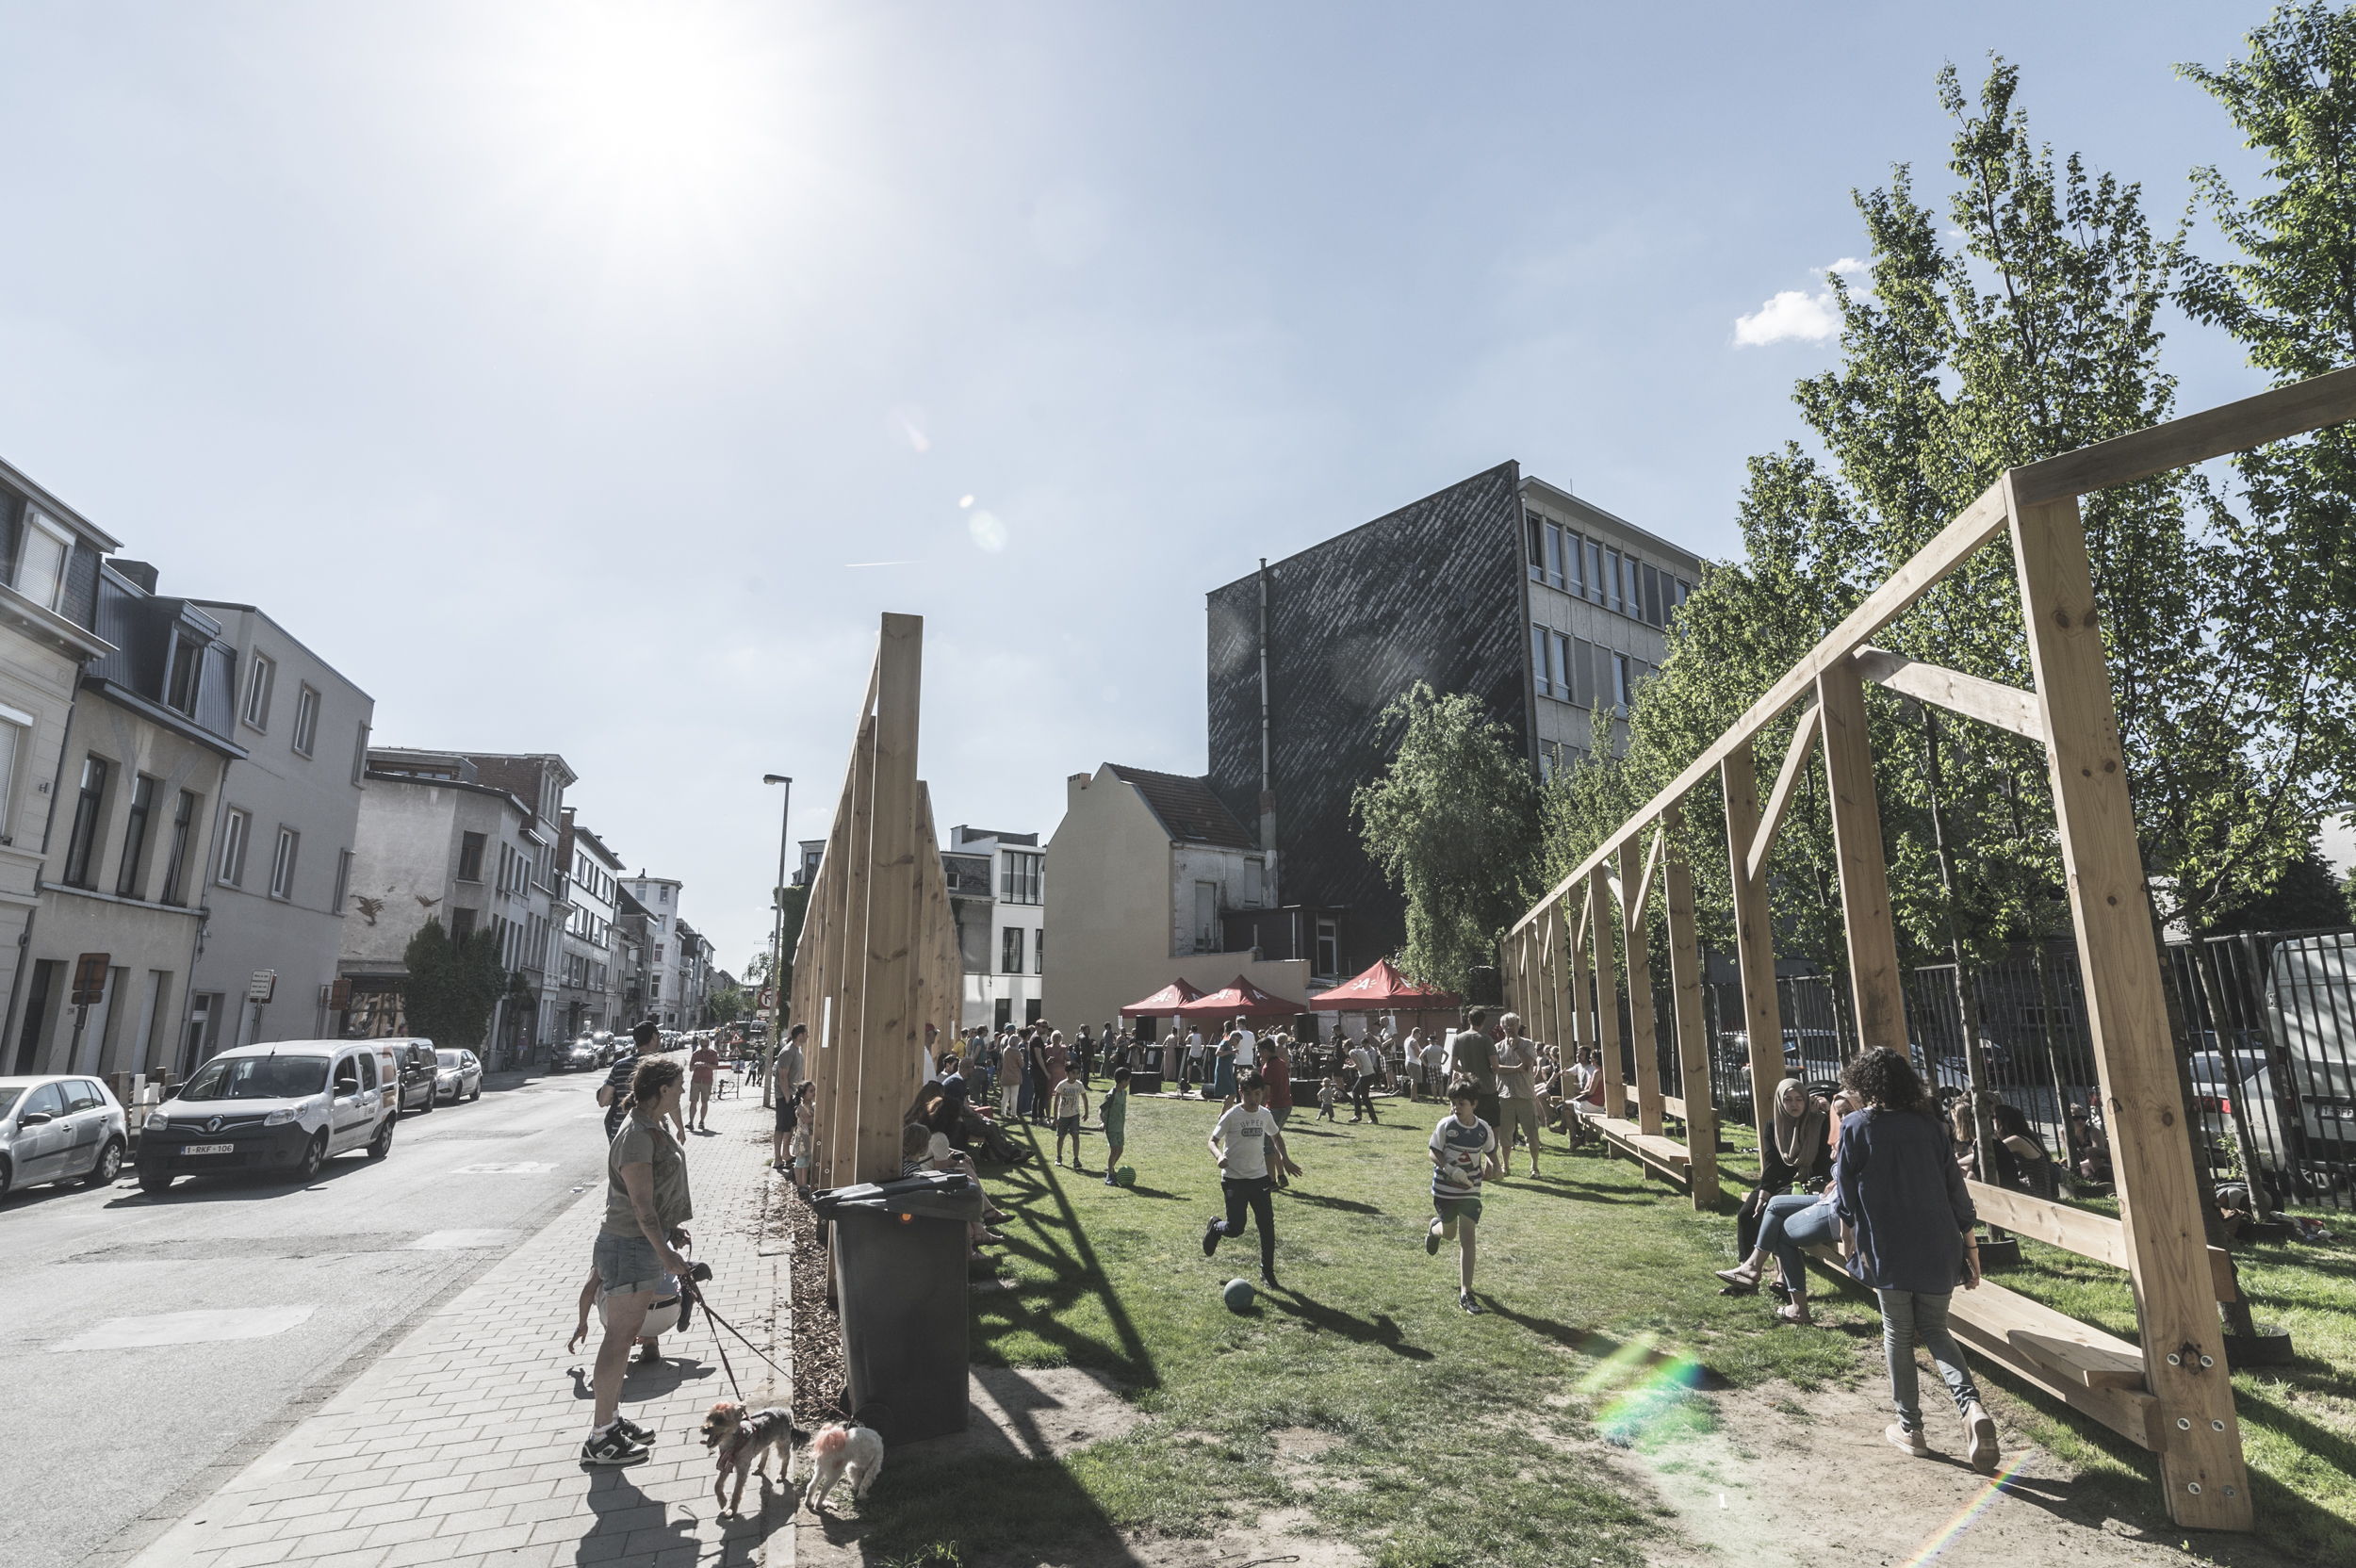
(1164, 1002)
(1382, 989)
(1239, 997)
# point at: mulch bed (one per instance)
(815, 1352)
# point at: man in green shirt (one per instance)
(646, 1210)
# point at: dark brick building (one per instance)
(1546, 607)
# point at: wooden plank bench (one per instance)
(1665, 1157)
(2076, 1363)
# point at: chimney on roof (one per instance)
(1072, 788)
(142, 573)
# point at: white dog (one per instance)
(843, 1453)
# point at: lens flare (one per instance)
(1966, 1516)
(1636, 1410)
(989, 532)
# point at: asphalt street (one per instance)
(158, 1343)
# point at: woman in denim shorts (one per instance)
(646, 1210)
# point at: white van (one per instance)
(284, 1107)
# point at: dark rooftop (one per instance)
(1189, 812)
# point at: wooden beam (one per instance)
(1636, 936)
(2081, 1230)
(890, 1031)
(841, 1090)
(1762, 837)
(1857, 831)
(2274, 415)
(1988, 701)
(1607, 986)
(1578, 981)
(1754, 933)
(1652, 865)
(2205, 1481)
(1973, 526)
(1692, 1029)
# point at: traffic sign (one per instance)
(264, 987)
(90, 979)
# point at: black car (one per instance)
(418, 1068)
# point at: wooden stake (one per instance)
(1607, 993)
(1692, 1028)
(1857, 830)
(1635, 931)
(2206, 1484)
(890, 1034)
(1753, 937)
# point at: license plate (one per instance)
(208, 1149)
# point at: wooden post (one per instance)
(2200, 1439)
(1692, 1028)
(1857, 830)
(1564, 1002)
(891, 1032)
(842, 1089)
(1581, 974)
(1636, 932)
(1607, 995)
(1753, 937)
(1552, 939)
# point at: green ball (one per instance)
(1238, 1293)
(1125, 1177)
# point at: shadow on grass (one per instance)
(1056, 1242)
(1601, 1347)
(1379, 1330)
(1324, 1200)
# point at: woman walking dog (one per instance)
(646, 1211)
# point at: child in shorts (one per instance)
(1463, 1150)
(1328, 1092)
(1114, 1114)
(1071, 1103)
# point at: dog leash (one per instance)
(705, 1303)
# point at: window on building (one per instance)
(1655, 612)
(461, 923)
(187, 677)
(343, 879)
(1554, 556)
(471, 857)
(1594, 572)
(1024, 878)
(1206, 917)
(1632, 591)
(41, 557)
(1010, 949)
(1540, 638)
(1038, 950)
(1684, 592)
(1329, 946)
(1255, 882)
(176, 858)
(1537, 546)
(233, 838)
(1565, 679)
(15, 730)
(132, 880)
(307, 732)
(261, 675)
(1610, 578)
(83, 849)
(1623, 681)
(359, 754)
(282, 863)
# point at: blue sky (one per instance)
(556, 371)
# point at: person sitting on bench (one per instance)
(1798, 1154)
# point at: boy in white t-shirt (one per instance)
(1464, 1152)
(1242, 1143)
(1071, 1107)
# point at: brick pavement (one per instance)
(460, 1447)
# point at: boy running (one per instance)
(1114, 1114)
(1071, 1105)
(1241, 1142)
(1463, 1150)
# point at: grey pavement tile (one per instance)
(394, 1532)
(443, 1485)
(342, 1549)
(389, 1512)
(503, 1539)
(467, 1520)
(254, 1554)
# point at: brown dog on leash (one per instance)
(742, 1441)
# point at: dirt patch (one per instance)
(819, 1375)
(1772, 1469)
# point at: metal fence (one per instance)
(2264, 1026)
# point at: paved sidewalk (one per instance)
(460, 1447)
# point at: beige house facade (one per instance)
(1139, 875)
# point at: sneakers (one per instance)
(1898, 1436)
(1431, 1240)
(1982, 1428)
(611, 1447)
(1464, 1299)
(1210, 1238)
(1268, 1277)
(632, 1431)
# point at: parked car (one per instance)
(59, 1129)
(416, 1069)
(460, 1076)
(580, 1056)
(285, 1108)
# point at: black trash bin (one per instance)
(900, 1291)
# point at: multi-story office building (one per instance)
(1541, 604)
(588, 984)
(634, 958)
(49, 556)
(273, 926)
(437, 842)
(539, 779)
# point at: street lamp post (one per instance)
(777, 945)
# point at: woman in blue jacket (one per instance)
(1907, 1224)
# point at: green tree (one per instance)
(453, 983)
(724, 1005)
(796, 902)
(1453, 823)
(2308, 897)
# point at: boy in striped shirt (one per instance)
(1464, 1152)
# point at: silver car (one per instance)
(58, 1128)
(457, 1076)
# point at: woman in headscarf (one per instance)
(1799, 1153)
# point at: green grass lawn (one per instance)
(1464, 1440)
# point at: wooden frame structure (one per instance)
(876, 975)
(2171, 1393)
